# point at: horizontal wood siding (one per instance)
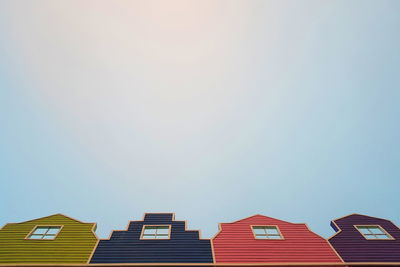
(353, 247)
(235, 243)
(126, 246)
(74, 243)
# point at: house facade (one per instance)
(263, 240)
(158, 238)
(362, 238)
(55, 239)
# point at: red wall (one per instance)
(235, 243)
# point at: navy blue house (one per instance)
(158, 238)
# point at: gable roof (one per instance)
(260, 215)
(338, 229)
(357, 214)
(75, 244)
(254, 216)
(94, 228)
(56, 214)
(235, 243)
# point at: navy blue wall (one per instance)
(126, 246)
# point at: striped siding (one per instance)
(235, 243)
(353, 247)
(126, 247)
(74, 243)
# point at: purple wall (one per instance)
(353, 247)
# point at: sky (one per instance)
(213, 110)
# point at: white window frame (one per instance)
(32, 232)
(142, 235)
(384, 232)
(266, 234)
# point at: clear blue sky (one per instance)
(214, 110)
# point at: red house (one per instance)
(259, 240)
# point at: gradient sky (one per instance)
(214, 110)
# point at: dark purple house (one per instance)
(361, 238)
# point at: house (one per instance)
(158, 238)
(55, 239)
(263, 240)
(361, 238)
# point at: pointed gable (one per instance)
(18, 247)
(355, 243)
(288, 243)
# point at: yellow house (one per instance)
(52, 239)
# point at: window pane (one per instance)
(261, 236)
(53, 230)
(370, 236)
(376, 230)
(40, 230)
(363, 229)
(49, 237)
(258, 231)
(382, 236)
(150, 230)
(272, 230)
(163, 230)
(149, 237)
(35, 237)
(162, 236)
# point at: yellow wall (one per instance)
(74, 243)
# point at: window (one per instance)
(45, 232)
(373, 232)
(266, 232)
(156, 232)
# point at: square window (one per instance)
(373, 232)
(267, 232)
(45, 232)
(156, 232)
